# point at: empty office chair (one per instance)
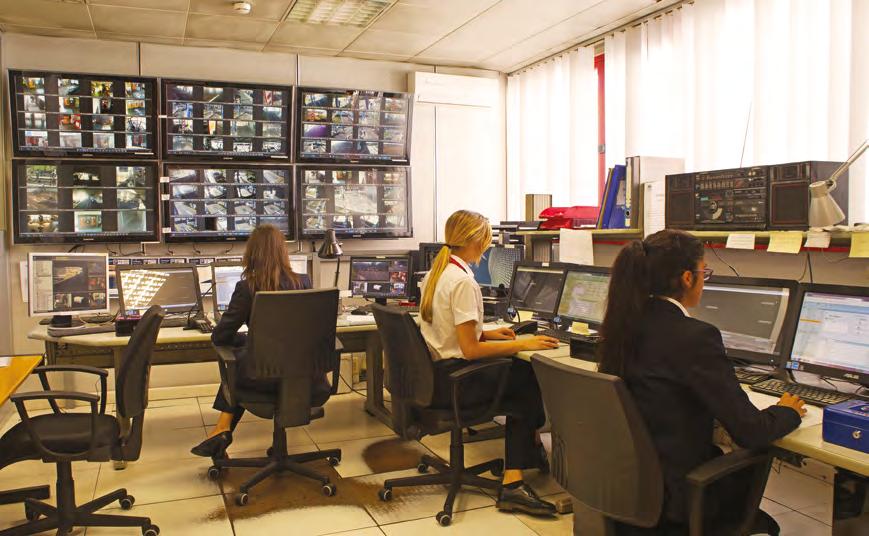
(291, 335)
(411, 372)
(603, 456)
(62, 438)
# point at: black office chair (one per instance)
(603, 456)
(291, 335)
(62, 438)
(411, 370)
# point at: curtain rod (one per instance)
(599, 37)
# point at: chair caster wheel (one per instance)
(127, 502)
(333, 460)
(422, 468)
(269, 452)
(153, 530)
(213, 473)
(444, 519)
(385, 494)
(241, 499)
(329, 490)
(499, 470)
(30, 513)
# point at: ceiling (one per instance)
(502, 35)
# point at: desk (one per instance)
(11, 378)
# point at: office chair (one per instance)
(411, 370)
(62, 438)
(603, 456)
(291, 335)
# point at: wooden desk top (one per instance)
(13, 376)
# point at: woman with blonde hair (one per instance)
(452, 326)
(266, 264)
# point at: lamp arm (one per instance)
(845, 165)
(337, 271)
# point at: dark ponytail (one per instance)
(653, 267)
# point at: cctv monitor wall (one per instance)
(225, 120)
(67, 284)
(225, 201)
(76, 201)
(357, 202)
(342, 126)
(68, 114)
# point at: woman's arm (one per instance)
(237, 314)
(473, 348)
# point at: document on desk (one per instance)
(814, 415)
(5, 361)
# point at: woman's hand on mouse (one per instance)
(540, 342)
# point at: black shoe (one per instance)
(213, 446)
(765, 524)
(523, 499)
(542, 459)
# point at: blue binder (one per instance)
(615, 199)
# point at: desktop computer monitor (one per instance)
(755, 316)
(175, 287)
(583, 298)
(224, 276)
(427, 253)
(536, 287)
(832, 334)
(62, 285)
(380, 277)
(496, 265)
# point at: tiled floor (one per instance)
(171, 487)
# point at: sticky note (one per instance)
(579, 327)
(859, 245)
(785, 242)
(740, 241)
(818, 239)
(525, 315)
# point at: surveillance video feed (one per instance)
(68, 283)
(379, 278)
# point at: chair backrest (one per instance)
(131, 383)
(291, 337)
(408, 360)
(602, 452)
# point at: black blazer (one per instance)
(682, 380)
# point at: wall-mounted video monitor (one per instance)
(370, 202)
(74, 201)
(68, 114)
(225, 120)
(337, 125)
(225, 201)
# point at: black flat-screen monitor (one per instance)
(74, 201)
(347, 125)
(175, 287)
(224, 277)
(584, 296)
(70, 114)
(225, 201)
(755, 316)
(427, 253)
(68, 284)
(225, 120)
(380, 277)
(370, 202)
(536, 287)
(832, 332)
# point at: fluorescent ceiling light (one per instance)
(337, 12)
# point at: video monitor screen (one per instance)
(76, 201)
(536, 289)
(336, 125)
(225, 201)
(68, 283)
(68, 114)
(495, 268)
(379, 277)
(226, 120)
(224, 278)
(356, 202)
(584, 296)
(175, 288)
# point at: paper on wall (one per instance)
(576, 246)
(654, 202)
(859, 245)
(299, 263)
(25, 283)
(740, 241)
(785, 242)
(818, 239)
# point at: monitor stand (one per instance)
(380, 301)
(65, 321)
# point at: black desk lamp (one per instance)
(331, 249)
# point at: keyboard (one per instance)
(174, 322)
(560, 334)
(750, 377)
(86, 329)
(812, 395)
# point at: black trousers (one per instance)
(521, 403)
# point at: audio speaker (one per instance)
(679, 202)
(789, 192)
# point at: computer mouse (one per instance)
(359, 311)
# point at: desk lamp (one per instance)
(823, 210)
(331, 249)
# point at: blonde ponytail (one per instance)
(463, 228)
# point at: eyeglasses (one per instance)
(707, 273)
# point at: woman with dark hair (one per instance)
(676, 368)
(266, 265)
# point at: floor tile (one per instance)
(549, 526)
(154, 482)
(820, 512)
(346, 420)
(773, 508)
(471, 522)
(796, 490)
(167, 444)
(796, 524)
(173, 417)
(257, 436)
(210, 415)
(371, 531)
(203, 516)
(376, 455)
(410, 503)
(477, 452)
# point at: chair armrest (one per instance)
(53, 396)
(500, 364)
(102, 373)
(228, 365)
(722, 466)
(336, 366)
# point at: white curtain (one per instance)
(725, 83)
(552, 132)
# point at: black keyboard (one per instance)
(560, 334)
(750, 377)
(812, 395)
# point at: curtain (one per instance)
(552, 132)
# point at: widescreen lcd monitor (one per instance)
(584, 295)
(536, 287)
(224, 278)
(380, 277)
(173, 287)
(67, 284)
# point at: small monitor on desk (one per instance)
(495, 268)
(427, 253)
(584, 295)
(755, 316)
(224, 277)
(175, 287)
(380, 277)
(63, 285)
(832, 334)
(536, 287)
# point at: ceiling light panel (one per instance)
(357, 13)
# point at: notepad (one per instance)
(5, 361)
